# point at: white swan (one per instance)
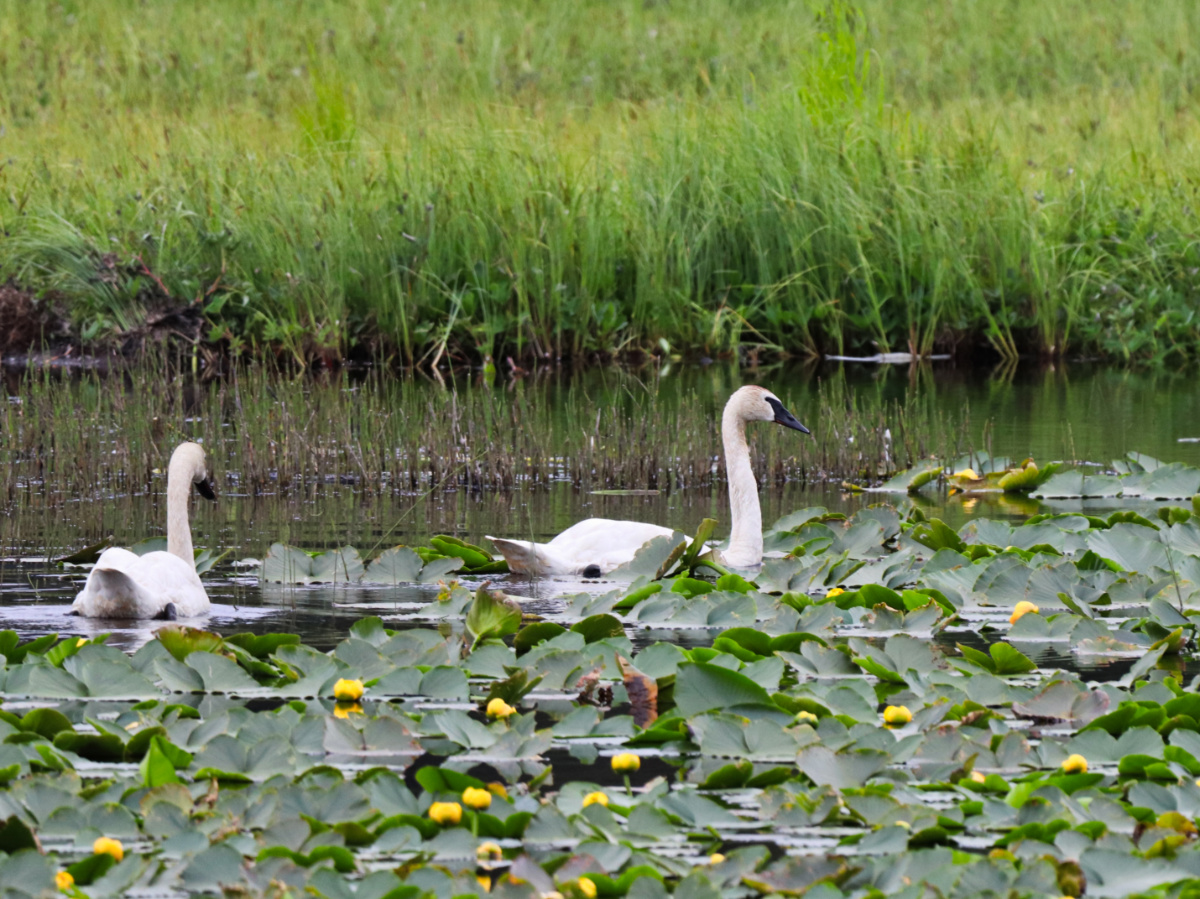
(159, 584)
(597, 545)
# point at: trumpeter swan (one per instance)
(159, 584)
(598, 545)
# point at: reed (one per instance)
(92, 437)
(535, 180)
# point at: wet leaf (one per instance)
(398, 565)
(492, 615)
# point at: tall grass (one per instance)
(553, 180)
(64, 440)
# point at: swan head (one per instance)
(753, 403)
(190, 462)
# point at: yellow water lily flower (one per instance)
(446, 813)
(497, 789)
(836, 591)
(346, 690)
(803, 717)
(625, 762)
(108, 846)
(716, 858)
(489, 850)
(978, 777)
(967, 473)
(1024, 607)
(346, 709)
(1075, 764)
(475, 798)
(64, 881)
(895, 715)
(587, 887)
(498, 708)
(596, 798)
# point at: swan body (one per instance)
(599, 543)
(123, 584)
(596, 546)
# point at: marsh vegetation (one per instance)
(509, 179)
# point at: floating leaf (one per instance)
(286, 565)
(398, 565)
(642, 691)
(599, 627)
(181, 641)
(654, 560)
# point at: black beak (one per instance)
(786, 418)
(205, 488)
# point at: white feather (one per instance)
(607, 543)
(125, 585)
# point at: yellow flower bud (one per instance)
(587, 887)
(595, 798)
(978, 776)
(497, 789)
(806, 718)
(966, 473)
(108, 846)
(836, 591)
(346, 709)
(904, 824)
(489, 850)
(625, 762)
(1022, 608)
(348, 690)
(475, 798)
(716, 858)
(895, 715)
(80, 642)
(1075, 764)
(446, 813)
(64, 881)
(498, 708)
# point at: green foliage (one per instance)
(492, 616)
(812, 177)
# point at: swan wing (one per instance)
(117, 558)
(602, 542)
(526, 557)
(606, 535)
(125, 585)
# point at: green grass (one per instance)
(486, 178)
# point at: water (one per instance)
(1073, 412)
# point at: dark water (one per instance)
(1074, 412)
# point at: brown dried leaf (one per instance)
(643, 693)
(586, 685)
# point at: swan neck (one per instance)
(179, 531)
(745, 538)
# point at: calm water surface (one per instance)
(1073, 412)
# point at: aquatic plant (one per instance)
(86, 437)
(764, 731)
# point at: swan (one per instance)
(159, 584)
(598, 545)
